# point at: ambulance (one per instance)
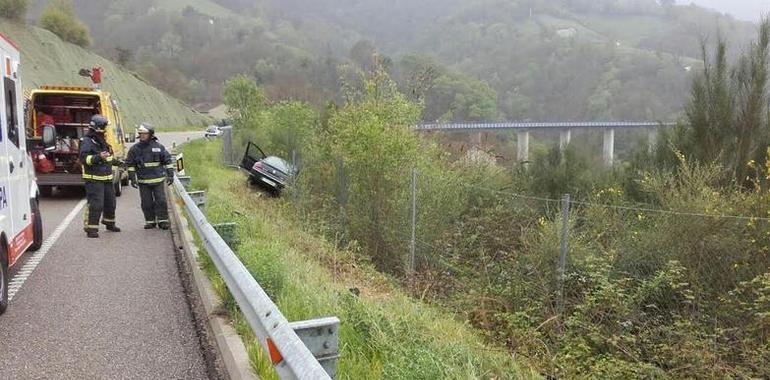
(21, 226)
(69, 110)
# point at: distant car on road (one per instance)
(268, 172)
(212, 131)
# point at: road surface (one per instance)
(113, 307)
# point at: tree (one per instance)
(59, 18)
(244, 99)
(13, 9)
(728, 110)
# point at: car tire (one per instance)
(37, 226)
(46, 191)
(3, 279)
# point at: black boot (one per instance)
(149, 225)
(92, 233)
(164, 225)
(113, 228)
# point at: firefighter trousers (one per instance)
(154, 202)
(101, 204)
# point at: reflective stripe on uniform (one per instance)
(153, 180)
(98, 177)
(109, 158)
(152, 164)
(131, 169)
(90, 159)
(105, 220)
(170, 166)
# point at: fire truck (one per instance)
(69, 110)
(21, 226)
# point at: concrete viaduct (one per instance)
(565, 132)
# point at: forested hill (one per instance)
(473, 59)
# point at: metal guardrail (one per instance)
(291, 357)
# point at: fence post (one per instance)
(227, 145)
(565, 211)
(413, 245)
(294, 179)
(342, 197)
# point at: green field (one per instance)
(47, 60)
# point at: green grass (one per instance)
(384, 333)
(47, 60)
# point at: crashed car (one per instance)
(268, 172)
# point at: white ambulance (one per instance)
(21, 226)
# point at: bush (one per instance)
(59, 18)
(13, 9)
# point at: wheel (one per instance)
(37, 226)
(46, 191)
(118, 188)
(124, 181)
(3, 279)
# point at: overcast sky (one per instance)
(743, 9)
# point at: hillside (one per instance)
(474, 60)
(48, 60)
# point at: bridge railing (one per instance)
(543, 125)
(289, 354)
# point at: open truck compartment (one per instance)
(70, 114)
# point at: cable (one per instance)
(626, 208)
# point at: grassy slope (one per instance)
(384, 333)
(46, 59)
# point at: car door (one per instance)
(252, 155)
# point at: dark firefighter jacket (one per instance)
(95, 167)
(150, 161)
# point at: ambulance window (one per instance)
(12, 119)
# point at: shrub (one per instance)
(59, 18)
(13, 9)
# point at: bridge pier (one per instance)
(522, 138)
(608, 151)
(652, 139)
(565, 136)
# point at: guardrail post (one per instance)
(178, 160)
(321, 337)
(199, 197)
(229, 233)
(186, 181)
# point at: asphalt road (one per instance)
(112, 307)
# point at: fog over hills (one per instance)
(744, 9)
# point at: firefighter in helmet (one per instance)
(97, 159)
(149, 169)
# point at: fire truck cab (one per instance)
(21, 226)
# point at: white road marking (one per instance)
(15, 284)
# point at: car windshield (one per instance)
(212, 129)
(277, 163)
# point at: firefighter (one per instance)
(149, 169)
(97, 160)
